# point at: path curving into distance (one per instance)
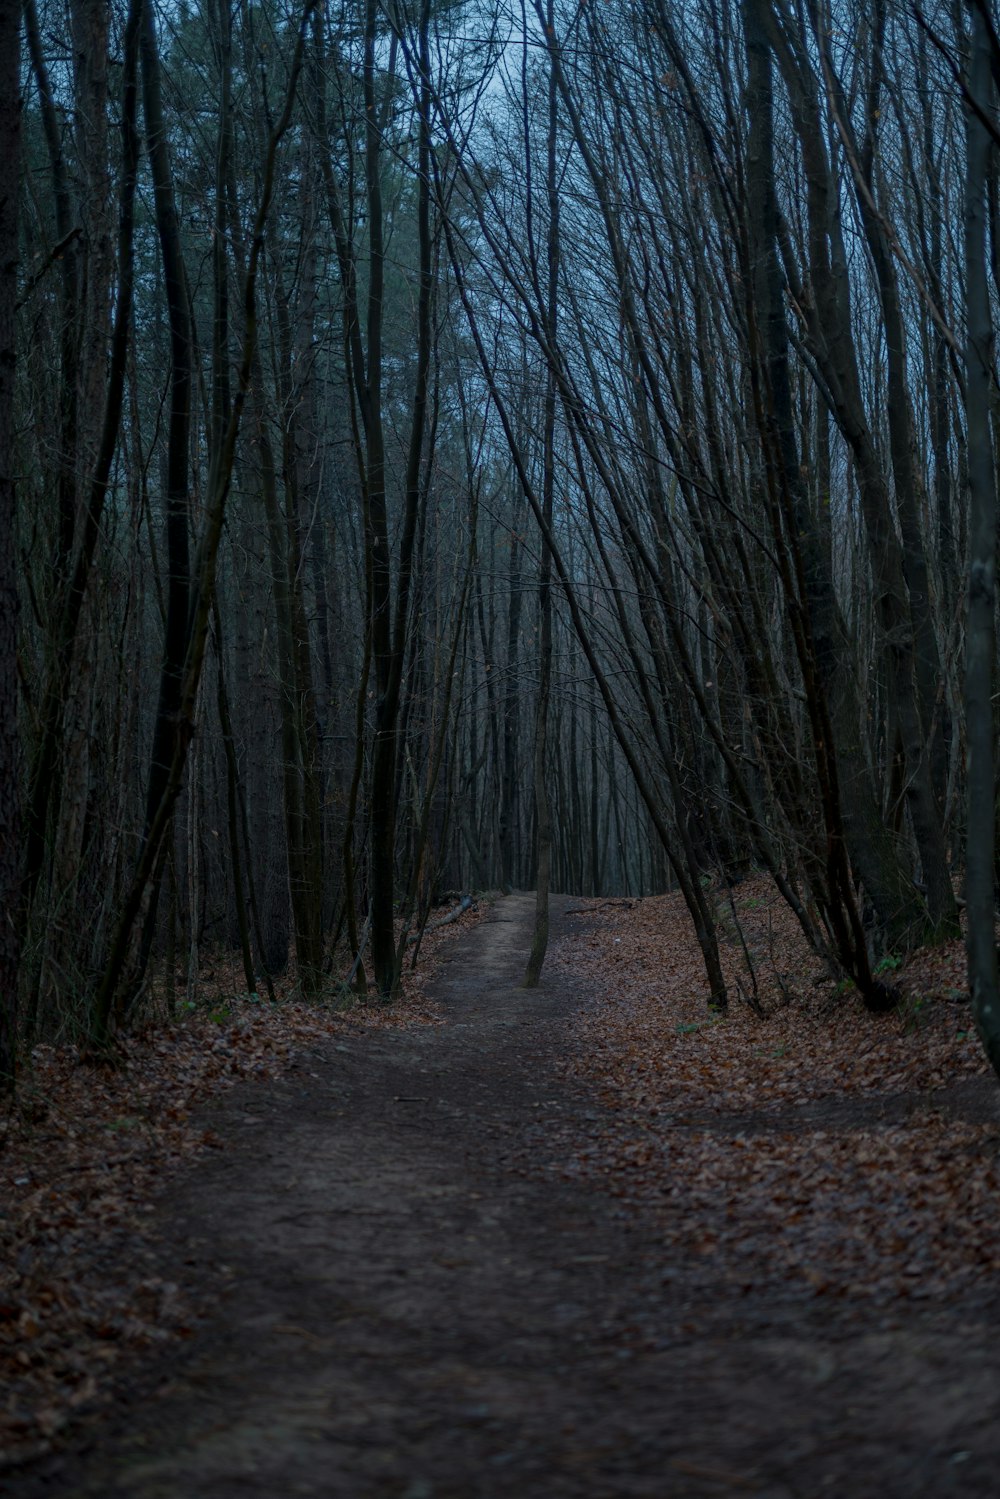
(413, 1302)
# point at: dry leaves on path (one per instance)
(820, 1149)
(83, 1155)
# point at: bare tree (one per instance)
(980, 646)
(10, 162)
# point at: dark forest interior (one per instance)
(444, 446)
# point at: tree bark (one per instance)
(980, 637)
(179, 426)
(10, 163)
(543, 806)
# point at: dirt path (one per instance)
(413, 1303)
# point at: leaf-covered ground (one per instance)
(84, 1152)
(579, 1241)
(821, 1147)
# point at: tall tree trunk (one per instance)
(233, 806)
(509, 808)
(179, 426)
(10, 164)
(297, 691)
(391, 610)
(543, 808)
(383, 776)
(980, 637)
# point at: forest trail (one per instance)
(413, 1302)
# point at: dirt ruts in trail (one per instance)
(411, 1301)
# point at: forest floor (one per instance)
(583, 1240)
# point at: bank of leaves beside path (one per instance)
(816, 1149)
(84, 1152)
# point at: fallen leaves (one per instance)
(820, 1148)
(84, 1153)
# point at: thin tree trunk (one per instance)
(980, 648)
(233, 808)
(10, 162)
(509, 809)
(543, 809)
(179, 427)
